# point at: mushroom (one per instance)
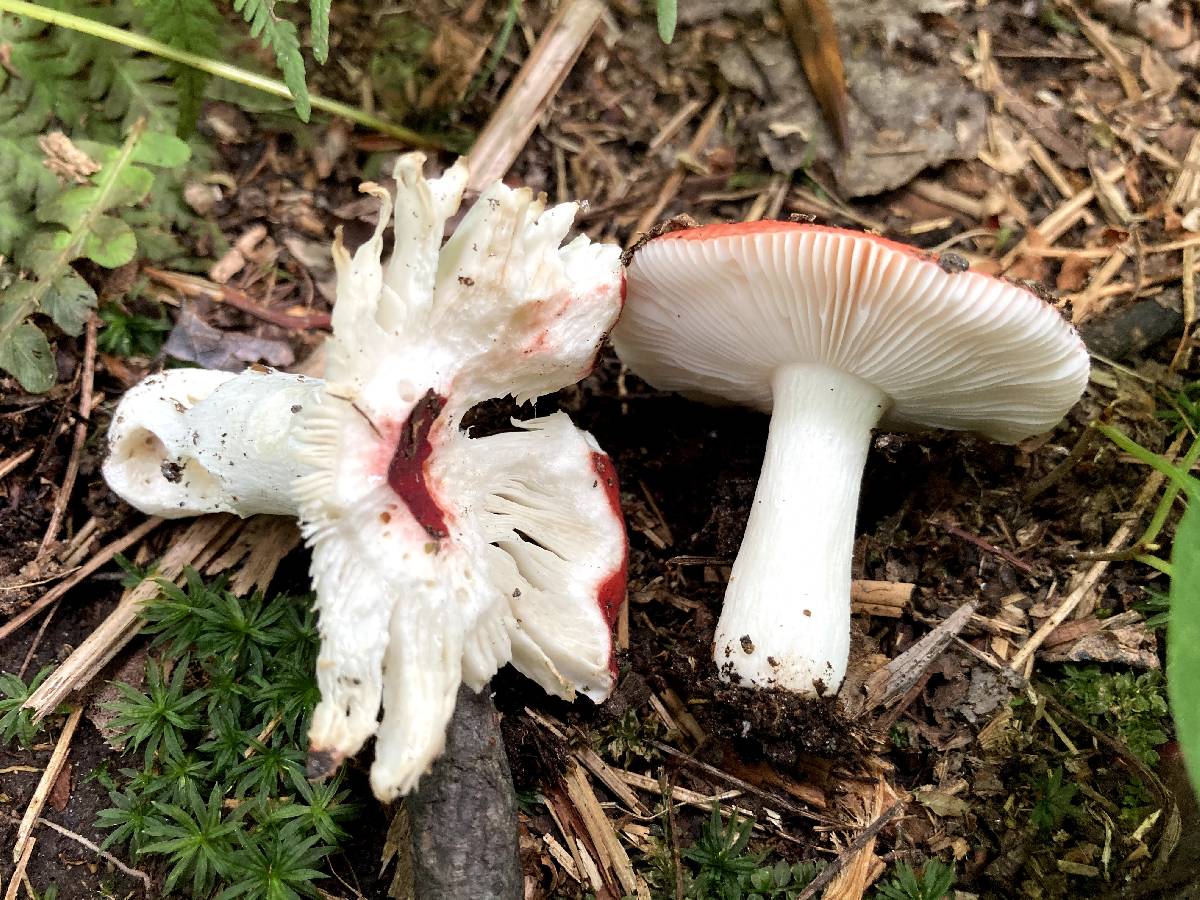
(833, 333)
(436, 557)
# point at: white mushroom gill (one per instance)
(437, 558)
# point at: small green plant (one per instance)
(1136, 803)
(86, 223)
(129, 333)
(1156, 608)
(1132, 706)
(220, 799)
(198, 840)
(1183, 628)
(900, 737)
(726, 870)
(629, 739)
(16, 722)
(934, 882)
(158, 719)
(1055, 801)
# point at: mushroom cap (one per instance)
(712, 312)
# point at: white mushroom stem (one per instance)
(191, 441)
(786, 618)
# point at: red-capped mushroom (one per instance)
(833, 333)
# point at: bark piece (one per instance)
(464, 812)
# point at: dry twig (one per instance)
(101, 558)
(196, 287)
(50, 775)
(81, 428)
(518, 114)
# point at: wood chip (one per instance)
(853, 880)
(893, 680)
(612, 855)
(888, 599)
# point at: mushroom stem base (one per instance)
(786, 617)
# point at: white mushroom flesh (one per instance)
(437, 558)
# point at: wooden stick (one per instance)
(1097, 36)
(81, 429)
(1186, 189)
(515, 119)
(122, 623)
(49, 776)
(12, 462)
(880, 598)
(1183, 352)
(14, 886)
(864, 837)
(894, 679)
(101, 558)
(1060, 220)
(671, 186)
(773, 799)
(194, 286)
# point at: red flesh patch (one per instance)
(611, 593)
(406, 472)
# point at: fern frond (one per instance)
(192, 26)
(126, 90)
(279, 36)
(319, 13)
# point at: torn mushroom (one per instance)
(436, 557)
(833, 332)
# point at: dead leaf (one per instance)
(942, 804)
(1074, 273)
(194, 340)
(942, 117)
(60, 793)
(66, 160)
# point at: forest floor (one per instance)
(1027, 745)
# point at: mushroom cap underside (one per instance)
(712, 312)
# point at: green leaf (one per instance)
(25, 354)
(131, 89)
(667, 14)
(158, 149)
(319, 13)
(110, 243)
(69, 302)
(1183, 640)
(131, 184)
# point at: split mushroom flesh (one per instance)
(436, 557)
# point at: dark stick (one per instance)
(464, 812)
